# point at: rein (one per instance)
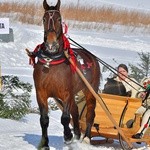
(112, 69)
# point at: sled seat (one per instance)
(116, 104)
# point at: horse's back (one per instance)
(86, 55)
(91, 63)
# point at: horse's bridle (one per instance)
(51, 14)
(52, 53)
(49, 28)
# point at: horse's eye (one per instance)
(59, 19)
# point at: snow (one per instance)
(118, 45)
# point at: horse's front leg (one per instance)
(44, 122)
(65, 120)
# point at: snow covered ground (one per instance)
(115, 46)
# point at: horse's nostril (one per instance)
(55, 43)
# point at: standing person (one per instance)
(130, 86)
(144, 110)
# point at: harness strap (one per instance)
(53, 62)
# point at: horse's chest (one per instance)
(54, 74)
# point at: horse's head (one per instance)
(52, 27)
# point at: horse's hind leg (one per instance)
(91, 103)
(44, 121)
(75, 119)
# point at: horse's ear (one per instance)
(58, 5)
(45, 5)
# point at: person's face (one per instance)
(122, 73)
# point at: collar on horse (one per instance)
(48, 59)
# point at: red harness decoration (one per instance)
(32, 57)
(54, 62)
(65, 28)
(70, 52)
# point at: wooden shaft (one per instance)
(97, 97)
(28, 52)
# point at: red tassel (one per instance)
(146, 125)
(70, 51)
(65, 28)
(32, 61)
(66, 43)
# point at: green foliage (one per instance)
(52, 105)
(14, 98)
(142, 69)
(138, 71)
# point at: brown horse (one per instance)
(54, 77)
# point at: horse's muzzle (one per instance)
(52, 47)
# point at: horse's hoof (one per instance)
(86, 140)
(45, 148)
(77, 137)
(68, 142)
(68, 139)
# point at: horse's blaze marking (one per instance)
(51, 37)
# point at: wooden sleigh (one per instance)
(123, 111)
(113, 116)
